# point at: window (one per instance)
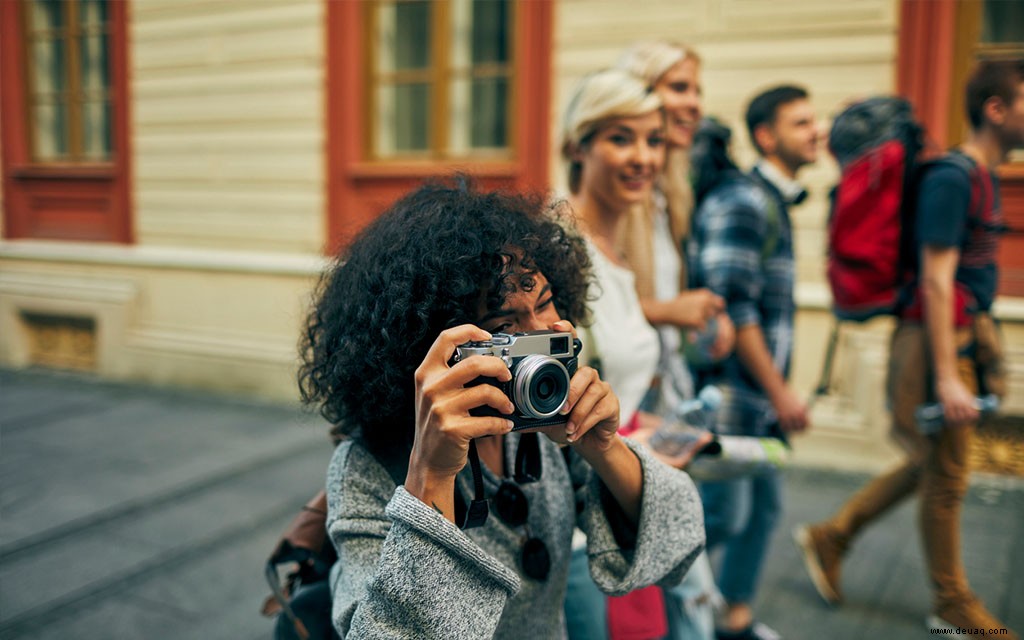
(984, 31)
(440, 78)
(419, 88)
(67, 49)
(63, 75)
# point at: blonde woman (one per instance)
(614, 143)
(655, 231)
(615, 146)
(653, 240)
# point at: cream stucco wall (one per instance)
(228, 127)
(219, 321)
(228, 195)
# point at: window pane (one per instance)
(1003, 22)
(490, 98)
(402, 118)
(477, 117)
(49, 73)
(490, 31)
(92, 13)
(460, 98)
(403, 36)
(96, 130)
(46, 15)
(50, 131)
(95, 65)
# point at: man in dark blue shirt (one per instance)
(946, 349)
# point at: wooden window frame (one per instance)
(439, 76)
(87, 200)
(359, 187)
(937, 42)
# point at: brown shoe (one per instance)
(969, 615)
(823, 557)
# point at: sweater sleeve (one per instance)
(668, 538)
(405, 570)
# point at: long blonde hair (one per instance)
(649, 61)
(600, 97)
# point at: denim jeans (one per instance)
(586, 611)
(741, 515)
(690, 605)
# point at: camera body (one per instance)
(541, 363)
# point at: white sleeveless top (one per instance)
(626, 343)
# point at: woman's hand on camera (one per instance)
(592, 410)
(444, 427)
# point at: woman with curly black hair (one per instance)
(446, 265)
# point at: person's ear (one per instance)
(994, 110)
(572, 152)
(764, 136)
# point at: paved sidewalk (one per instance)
(132, 512)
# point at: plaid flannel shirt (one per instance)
(743, 251)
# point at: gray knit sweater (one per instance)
(404, 571)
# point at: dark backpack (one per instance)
(300, 602)
(870, 229)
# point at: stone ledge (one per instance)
(178, 258)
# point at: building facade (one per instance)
(175, 173)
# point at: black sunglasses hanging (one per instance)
(511, 503)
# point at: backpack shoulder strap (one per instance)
(965, 163)
(772, 231)
(773, 218)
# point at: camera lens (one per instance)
(541, 386)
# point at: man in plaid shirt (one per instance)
(744, 253)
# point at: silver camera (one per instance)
(541, 362)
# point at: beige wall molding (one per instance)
(108, 301)
(225, 345)
(186, 259)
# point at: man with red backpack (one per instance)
(946, 349)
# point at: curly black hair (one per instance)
(433, 261)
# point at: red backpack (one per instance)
(870, 230)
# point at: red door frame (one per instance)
(61, 200)
(358, 189)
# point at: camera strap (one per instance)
(528, 465)
(527, 469)
(476, 515)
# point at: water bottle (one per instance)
(730, 457)
(930, 418)
(698, 350)
(685, 424)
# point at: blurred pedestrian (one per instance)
(614, 143)
(744, 252)
(653, 242)
(945, 348)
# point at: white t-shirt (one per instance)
(626, 344)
